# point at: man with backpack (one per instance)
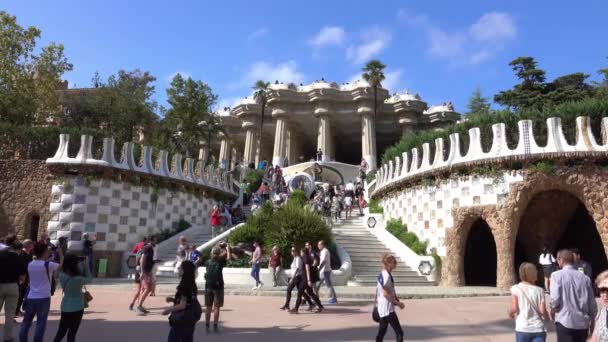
(214, 283)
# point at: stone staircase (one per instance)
(366, 253)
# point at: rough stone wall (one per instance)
(25, 190)
(588, 184)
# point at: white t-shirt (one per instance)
(385, 307)
(350, 187)
(40, 287)
(546, 259)
(348, 201)
(325, 260)
(296, 266)
(528, 319)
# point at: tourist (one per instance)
(138, 246)
(360, 200)
(73, 277)
(547, 262)
(38, 301)
(146, 278)
(319, 155)
(27, 255)
(297, 270)
(363, 170)
(327, 212)
(87, 251)
(306, 281)
(325, 272)
(256, 260)
(183, 324)
(528, 306)
(182, 252)
(580, 264)
(348, 206)
(274, 265)
(226, 212)
(386, 299)
(216, 221)
(573, 305)
(214, 282)
(13, 270)
(600, 332)
(265, 191)
(335, 208)
(239, 216)
(195, 255)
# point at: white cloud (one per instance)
(493, 27)
(392, 80)
(259, 33)
(373, 41)
(282, 72)
(185, 75)
(474, 44)
(329, 35)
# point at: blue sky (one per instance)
(442, 50)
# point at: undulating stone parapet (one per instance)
(409, 168)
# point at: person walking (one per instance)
(214, 283)
(580, 264)
(274, 265)
(573, 305)
(348, 206)
(182, 252)
(146, 278)
(256, 260)
(74, 275)
(600, 331)
(216, 222)
(325, 272)
(386, 299)
(13, 270)
(38, 301)
(528, 306)
(186, 309)
(297, 270)
(306, 281)
(27, 255)
(547, 262)
(87, 251)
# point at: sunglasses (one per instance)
(603, 290)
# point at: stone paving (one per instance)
(251, 318)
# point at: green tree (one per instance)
(478, 105)
(260, 94)
(28, 81)
(191, 108)
(527, 94)
(373, 73)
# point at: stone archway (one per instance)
(480, 256)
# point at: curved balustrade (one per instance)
(557, 147)
(194, 171)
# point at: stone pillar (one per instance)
(368, 140)
(280, 142)
(224, 152)
(203, 153)
(292, 147)
(324, 138)
(251, 143)
(233, 157)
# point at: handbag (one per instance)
(88, 297)
(375, 314)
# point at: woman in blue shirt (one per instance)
(74, 275)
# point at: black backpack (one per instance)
(213, 275)
(52, 280)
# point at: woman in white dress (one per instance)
(600, 333)
(528, 306)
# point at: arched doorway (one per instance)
(34, 227)
(480, 256)
(558, 220)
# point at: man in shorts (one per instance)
(214, 283)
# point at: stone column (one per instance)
(324, 138)
(251, 143)
(292, 147)
(368, 140)
(224, 151)
(203, 152)
(280, 142)
(233, 157)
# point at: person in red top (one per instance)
(140, 245)
(274, 265)
(216, 223)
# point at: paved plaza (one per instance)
(255, 318)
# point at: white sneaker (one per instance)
(260, 286)
(254, 288)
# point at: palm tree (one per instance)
(260, 95)
(373, 73)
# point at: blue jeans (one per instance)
(39, 308)
(530, 337)
(326, 277)
(255, 273)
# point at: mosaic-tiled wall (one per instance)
(427, 210)
(118, 214)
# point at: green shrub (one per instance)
(545, 167)
(438, 263)
(284, 227)
(398, 229)
(254, 179)
(298, 198)
(371, 176)
(375, 207)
